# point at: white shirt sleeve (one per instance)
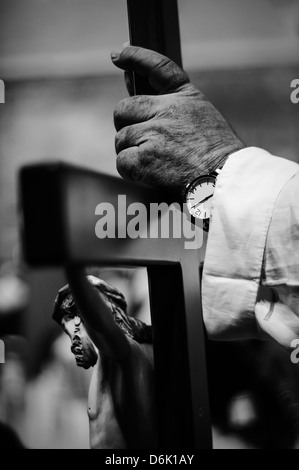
(246, 192)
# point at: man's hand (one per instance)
(169, 139)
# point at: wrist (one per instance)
(218, 156)
(212, 161)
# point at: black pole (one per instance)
(154, 24)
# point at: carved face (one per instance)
(82, 346)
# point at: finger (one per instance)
(134, 110)
(130, 136)
(164, 75)
(127, 164)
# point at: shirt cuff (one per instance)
(243, 203)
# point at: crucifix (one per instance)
(59, 204)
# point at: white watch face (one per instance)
(199, 197)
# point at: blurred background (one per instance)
(61, 89)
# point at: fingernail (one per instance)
(114, 55)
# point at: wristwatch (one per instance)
(198, 197)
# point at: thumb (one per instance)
(164, 75)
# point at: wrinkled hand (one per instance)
(169, 139)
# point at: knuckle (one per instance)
(129, 52)
(120, 109)
(120, 164)
(163, 64)
(125, 138)
(173, 76)
(123, 165)
(129, 167)
(120, 141)
(179, 79)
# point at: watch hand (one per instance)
(200, 202)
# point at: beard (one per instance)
(84, 351)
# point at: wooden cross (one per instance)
(59, 204)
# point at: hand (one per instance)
(169, 139)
